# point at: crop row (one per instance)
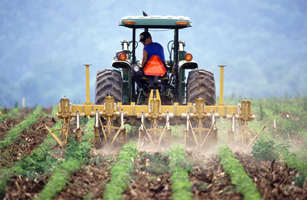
(13, 134)
(121, 171)
(76, 154)
(39, 162)
(179, 170)
(237, 174)
(12, 112)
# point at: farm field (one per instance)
(33, 166)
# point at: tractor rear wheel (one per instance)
(201, 84)
(108, 82)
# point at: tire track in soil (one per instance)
(27, 141)
(274, 180)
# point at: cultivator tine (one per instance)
(232, 130)
(194, 136)
(121, 130)
(154, 133)
(161, 135)
(255, 136)
(200, 118)
(96, 130)
(103, 131)
(168, 135)
(152, 143)
(213, 121)
(233, 125)
(202, 144)
(123, 135)
(243, 115)
(78, 129)
(141, 130)
(54, 136)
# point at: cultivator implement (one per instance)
(154, 120)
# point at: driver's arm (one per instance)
(144, 58)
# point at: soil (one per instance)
(24, 188)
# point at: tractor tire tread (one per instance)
(108, 82)
(201, 84)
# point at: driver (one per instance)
(150, 48)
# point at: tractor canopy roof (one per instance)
(165, 22)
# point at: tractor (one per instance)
(166, 98)
(120, 81)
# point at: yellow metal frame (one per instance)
(196, 111)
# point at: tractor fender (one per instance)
(121, 64)
(187, 64)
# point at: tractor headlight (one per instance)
(136, 68)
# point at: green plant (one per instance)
(38, 163)
(59, 178)
(262, 113)
(120, 171)
(177, 130)
(180, 167)
(300, 166)
(300, 180)
(89, 196)
(266, 150)
(54, 111)
(76, 150)
(237, 174)
(5, 175)
(158, 162)
(276, 109)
